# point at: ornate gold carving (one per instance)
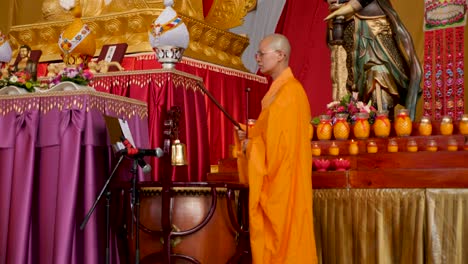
(207, 43)
(226, 14)
(250, 5)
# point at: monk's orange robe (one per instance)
(278, 167)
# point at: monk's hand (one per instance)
(344, 11)
(241, 134)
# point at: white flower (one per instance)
(13, 79)
(332, 104)
(363, 108)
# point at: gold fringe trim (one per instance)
(45, 102)
(139, 72)
(210, 66)
(142, 78)
(185, 191)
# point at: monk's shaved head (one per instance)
(273, 55)
(279, 42)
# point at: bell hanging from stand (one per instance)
(178, 154)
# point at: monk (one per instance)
(275, 160)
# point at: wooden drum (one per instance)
(201, 221)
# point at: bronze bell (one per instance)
(178, 154)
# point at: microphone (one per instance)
(145, 167)
(139, 153)
(157, 152)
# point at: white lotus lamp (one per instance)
(168, 36)
(5, 50)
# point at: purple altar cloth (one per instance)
(55, 157)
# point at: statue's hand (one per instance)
(345, 10)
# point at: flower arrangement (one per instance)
(20, 79)
(71, 74)
(350, 105)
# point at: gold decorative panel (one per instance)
(207, 43)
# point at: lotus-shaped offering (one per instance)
(321, 164)
(341, 164)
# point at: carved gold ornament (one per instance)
(207, 43)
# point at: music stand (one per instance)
(118, 130)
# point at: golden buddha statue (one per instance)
(25, 63)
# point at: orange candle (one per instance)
(353, 148)
(446, 126)
(251, 122)
(392, 146)
(316, 151)
(324, 128)
(464, 125)
(412, 146)
(334, 150)
(452, 145)
(382, 125)
(403, 124)
(311, 131)
(431, 145)
(341, 127)
(372, 147)
(425, 126)
(361, 128)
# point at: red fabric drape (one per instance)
(229, 90)
(162, 90)
(230, 93)
(302, 22)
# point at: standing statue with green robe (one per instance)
(381, 60)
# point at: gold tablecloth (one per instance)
(391, 225)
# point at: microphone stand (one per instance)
(247, 90)
(135, 205)
(90, 212)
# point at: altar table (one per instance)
(55, 156)
(389, 207)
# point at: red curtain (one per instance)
(161, 91)
(302, 22)
(226, 85)
(229, 90)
